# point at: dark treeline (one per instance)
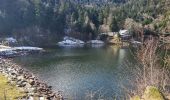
(81, 18)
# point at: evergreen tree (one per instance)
(114, 25)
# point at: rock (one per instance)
(26, 82)
(31, 98)
(135, 98)
(28, 85)
(42, 98)
(20, 77)
(152, 93)
(168, 97)
(22, 90)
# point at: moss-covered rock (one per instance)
(135, 98)
(152, 93)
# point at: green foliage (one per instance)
(147, 21)
(58, 15)
(114, 25)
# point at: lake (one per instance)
(81, 73)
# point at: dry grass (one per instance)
(8, 92)
(168, 61)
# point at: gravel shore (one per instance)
(27, 82)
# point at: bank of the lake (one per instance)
(20, 84)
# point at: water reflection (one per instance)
(79, 72)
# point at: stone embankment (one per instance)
(27, 82)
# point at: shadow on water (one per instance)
(80, 73)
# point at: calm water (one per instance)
(79, 72)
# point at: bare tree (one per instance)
(150, 69)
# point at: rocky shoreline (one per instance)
(27, 82)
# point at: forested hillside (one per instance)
(43, 19)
